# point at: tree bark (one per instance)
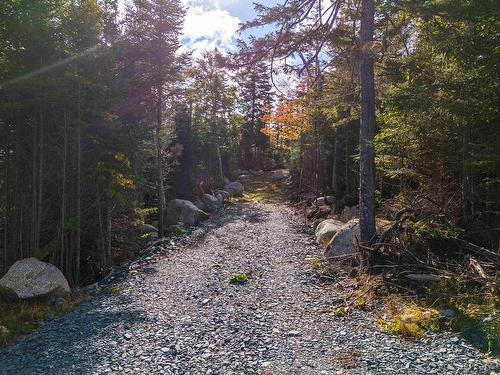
(63, 193)
(34, 185)
(108, 230)
(159, 170)
(367, 126)
(334, 165)
(40, 180)
(102, 236)
(78, 190)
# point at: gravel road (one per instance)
(175, 312)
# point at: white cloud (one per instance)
(206, 29)
(207, 25)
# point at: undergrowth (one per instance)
(453, 305)
(23, 317)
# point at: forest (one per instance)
(105, 118)
(344, 156)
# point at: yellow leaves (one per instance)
(285, 124)
(109, 174)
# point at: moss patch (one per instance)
(410, 320)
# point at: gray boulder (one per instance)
(234, 188)
(32, 278)
(279, 175)
(344, 244)
(222, 195)
(211, 202)
(326, 230)
(180, 210)
(321, 201)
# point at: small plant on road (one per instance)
(239, 279)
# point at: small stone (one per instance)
(294, 333)
(265, 364)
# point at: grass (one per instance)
(23, 317)
(114, 290)
(320, 265)
(240, 278)
(409, 320)
(476, 313)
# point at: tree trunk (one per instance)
(40, 180)
(63, 193)
(334, 165)
(159, 170)
(221, 172)
(367, 126)
(101, 229)
(7, 213)
(78, 190)
(34, 185)
(108, 230)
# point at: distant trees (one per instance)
(438, 119)
(256, 98)
(153, 28)
(102, 119)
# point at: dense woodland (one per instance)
(104, 119)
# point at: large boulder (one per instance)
(180, 210)
(321, 201)
(32, 278)
(326, 230)
(211, 202)
(234, 188)
(344, 244)
(279, 175)
(222, 195)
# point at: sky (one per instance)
(215, 23)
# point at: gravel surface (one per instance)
(175, 312)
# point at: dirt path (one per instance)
(176, 313)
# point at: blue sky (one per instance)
(214, 23)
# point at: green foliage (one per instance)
(48, 250)
(435, 230)
(240, 278)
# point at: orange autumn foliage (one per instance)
(285, 124)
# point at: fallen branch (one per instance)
(425, 277)
(480, 250)
(477, 267)
(388, 233)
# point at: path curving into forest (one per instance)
(176, 313)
